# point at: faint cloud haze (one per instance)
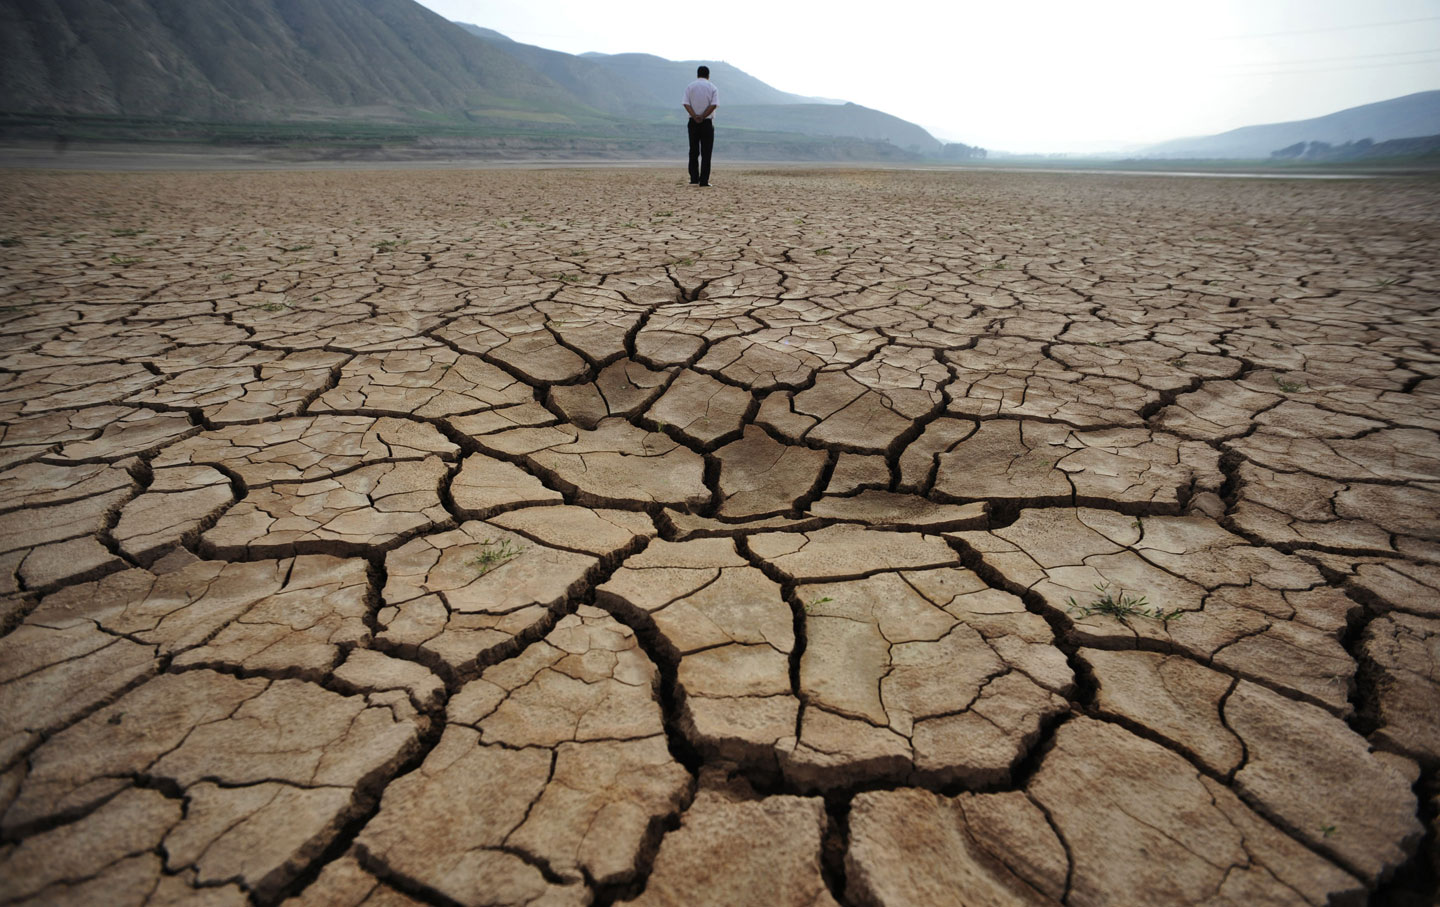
(1046, 75)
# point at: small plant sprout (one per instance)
(1120, 604)
(1287, 386)
(814, 603)
(125, 260)
(390, 245)
(1327, 830)
(493, 553)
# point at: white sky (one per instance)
(1025, 75)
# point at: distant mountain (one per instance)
(662, 80)
(829, 119)
(257, 59)
(643, 84)
(482, 32)
(1424, 148)
(1406, 117)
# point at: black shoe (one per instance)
(694, 182)
(703, 185)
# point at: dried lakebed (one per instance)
(575, 537)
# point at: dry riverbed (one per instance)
(567, 537)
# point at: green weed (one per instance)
(1288, 387)
(1120, 604)
(811, 605)
(275, 305)
(391, 245)
(493, 553)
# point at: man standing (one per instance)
(701, 98)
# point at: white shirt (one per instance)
(700, 94)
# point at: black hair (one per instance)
(703, 72)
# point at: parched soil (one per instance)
(579, 537)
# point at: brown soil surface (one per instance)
(515, 537)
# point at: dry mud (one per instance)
(582, 538)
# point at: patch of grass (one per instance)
(664, 213)
(131, 232)
(683, 262)
(565, 278)
(124, 260)
(227, 276)
(823, 251)
(1288, 387)
(493, 553)
(1120, 604)
(275, 305)
(391, 245)
(300, 248)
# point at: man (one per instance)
(701, 98)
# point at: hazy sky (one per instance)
(1027, 75)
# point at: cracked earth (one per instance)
(867, 538)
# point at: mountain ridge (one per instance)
(745, 101)
(1408, 116)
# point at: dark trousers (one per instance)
(702, 142)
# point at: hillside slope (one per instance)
(1398, 118)
(650, 86)
(257, 59)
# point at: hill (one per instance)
(1399, 118)
(1419, 149)
(647, 85)
(259, 60)
(344, 72)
